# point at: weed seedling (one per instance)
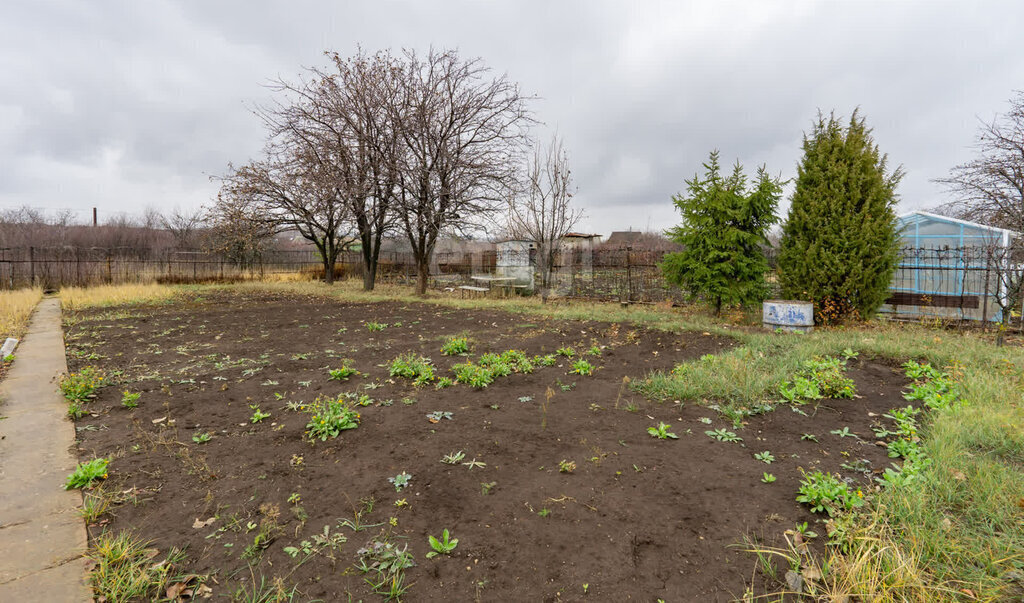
(765, 457)
(342, 374)
(82, 386)
(442, 546)
(723, 435)
(662, 432)
(129, 399)
(375, 326)
(565, 466)
(844, 433)
(582, 367)
(810, 437)
(257, 414)
(544, 512)
(453, 458)
(767, 478)
(455, 346)
(567, 351)
(438, 415)
(826, 492)
(486, 487)
(87, 473)
(201, 437)
(400, 481)
(329, 417)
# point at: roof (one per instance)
(580, 235)
(624, 236)
(918, 216)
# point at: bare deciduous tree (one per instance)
(182, 224)
(305, 182)
(462, 136)
(359, 99)
(990, 188)
(237, 231)
(543, 212)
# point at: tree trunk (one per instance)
(328, 270)
(422, 273)
(370, 274)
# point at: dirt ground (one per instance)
(637, 519)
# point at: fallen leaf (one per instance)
(199, 524)
(958, 475)
(174, 591)
(811, 574)
(204, 591)
(160, 420)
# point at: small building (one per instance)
(949, 268)
(578, 240)
(515, 260)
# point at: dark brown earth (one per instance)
(638, 519)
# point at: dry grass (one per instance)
(76, 298)
(15, 308)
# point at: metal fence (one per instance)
(963, 283)
(54, 267)
(968, 283)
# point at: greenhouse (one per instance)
(950, 268)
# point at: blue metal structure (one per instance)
(946, 259)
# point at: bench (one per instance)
(464, 288)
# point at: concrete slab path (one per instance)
(42, 537)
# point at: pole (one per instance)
(94, 221)
(32, 266)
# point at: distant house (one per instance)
(624, 238)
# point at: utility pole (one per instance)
(94, 217)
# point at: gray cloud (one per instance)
(123, 105)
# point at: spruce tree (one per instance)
(723, 233)
(840, 243)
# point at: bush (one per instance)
(723, 233)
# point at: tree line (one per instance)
(840, 241)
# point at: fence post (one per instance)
(32, 266)
(629, 276)
(984, 300)
(110, 271)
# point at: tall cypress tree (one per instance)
(840, 243)
(724, 228)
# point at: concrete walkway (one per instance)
(42, 537)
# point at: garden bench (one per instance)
(464, 288)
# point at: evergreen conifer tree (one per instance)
(840, 243)
(723, 233)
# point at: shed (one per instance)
(946, 268)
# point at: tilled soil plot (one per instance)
(637, 518)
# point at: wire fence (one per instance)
(962, 283)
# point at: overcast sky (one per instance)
(123, 105)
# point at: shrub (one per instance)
(840, 242)
(723, 234)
